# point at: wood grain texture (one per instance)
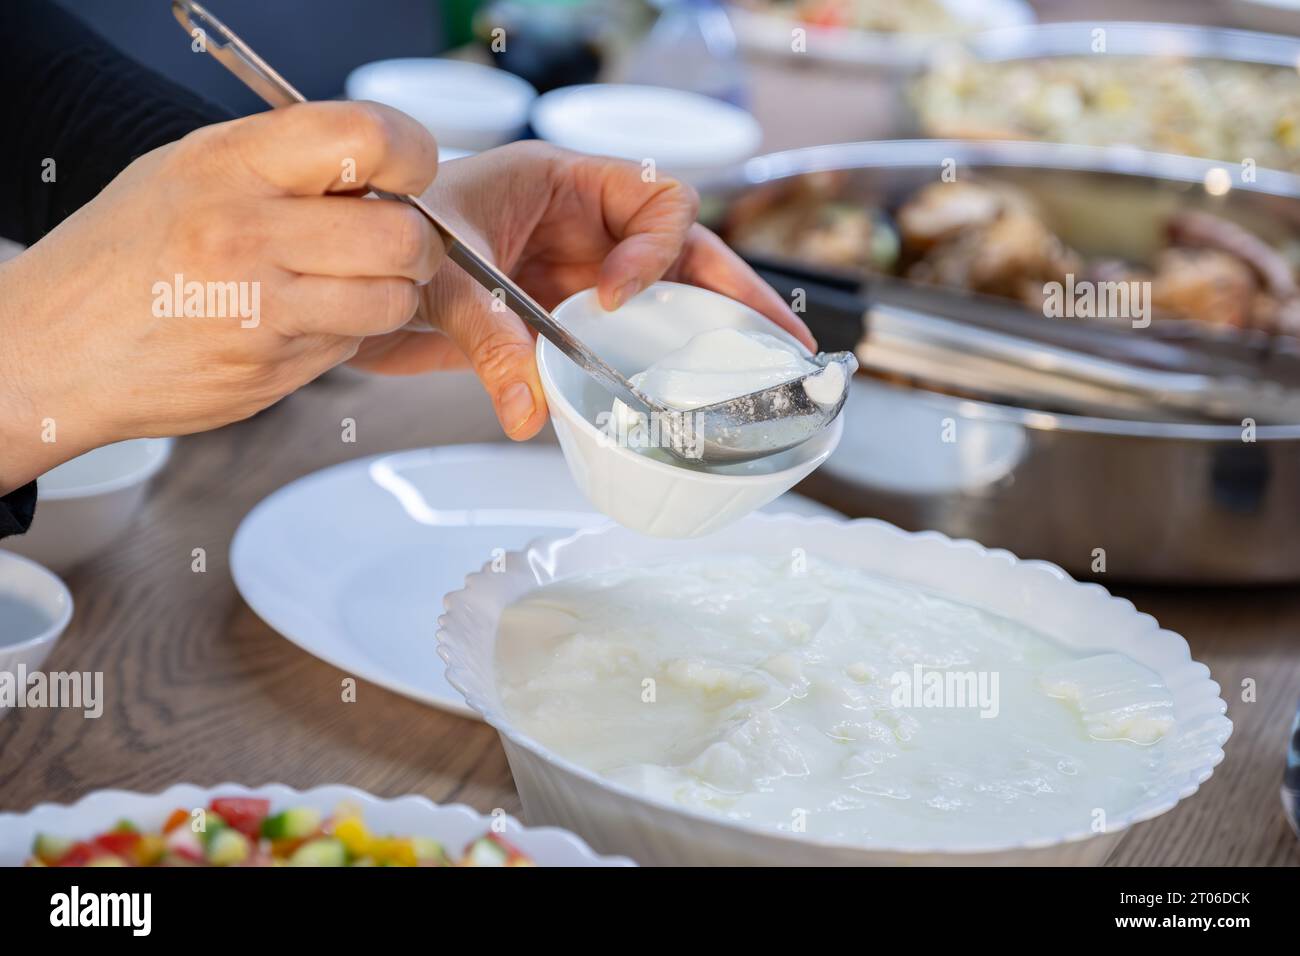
(198, 689)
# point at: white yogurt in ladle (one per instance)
(830, 703)
(718, 365)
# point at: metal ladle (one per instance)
(740, 429)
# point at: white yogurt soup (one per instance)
(830, 703)
(722, 364)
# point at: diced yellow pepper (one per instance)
(352, 833)
(391, 851)
(149, 850)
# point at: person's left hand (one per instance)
(556, 222)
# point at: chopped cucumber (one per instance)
(429, 851)
(227, 847)
(292, 824)
(326, 851)
(50, 849)
(213, 823)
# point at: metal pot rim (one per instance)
(904, 153)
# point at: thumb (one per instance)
(499, 347)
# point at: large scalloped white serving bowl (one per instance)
(452, 824)
(614, 819)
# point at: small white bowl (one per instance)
(654, 497)
(86, 504)
(690, 136)
(616, 819)
(468, 106)
(451, 824)
(35, 608)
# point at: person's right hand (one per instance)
(264, 201)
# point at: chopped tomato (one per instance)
(118, 842)
(79, 855)
(184, 843)
(242, 813)
(825, 15)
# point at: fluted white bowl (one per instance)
(616, 819)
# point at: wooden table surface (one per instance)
(198, 689)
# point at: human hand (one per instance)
(263, 210)
(556, 222)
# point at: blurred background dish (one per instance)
(35, 608)
(87, 504)
(1214, 260)
(845, 77)
(1173, 502)
(1220, 94)
(868, 33)
(1003, 226)
(464, 105)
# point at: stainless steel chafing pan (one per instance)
(1143, 501)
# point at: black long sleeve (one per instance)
(75, 112)
(74, 99)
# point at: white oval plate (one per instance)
(351, 563)
(453, 825)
